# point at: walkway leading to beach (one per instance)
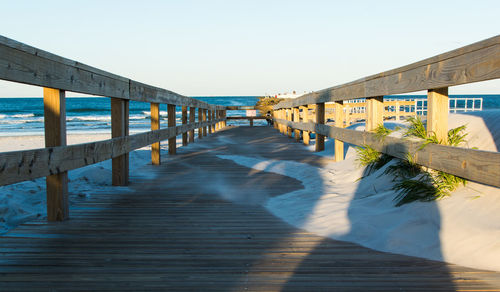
(200, 226)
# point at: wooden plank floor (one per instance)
(198, 227)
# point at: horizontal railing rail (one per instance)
(25, 64)
(473, 63)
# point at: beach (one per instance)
(463, 229)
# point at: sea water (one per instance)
(24, 116)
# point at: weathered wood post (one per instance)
(437, 113)
(155, 125)
(209, 119)
(339, 122)
(280, 125)
(320, 119)
(184, 119)
(296, 118)
(217, 124)
(289, 118)
(200, 120)
(305, 119)
(225, 118)
(205, 128)
(54, 102)
(275, 116)
(119, 128)
(374, 113)
(213, 121)
(172, 143)
(192, 111)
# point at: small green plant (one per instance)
(431, 184)
(371, 158)
(381, 132)
(416, 128)
(265, 104)
(404, 168)
(410, 190)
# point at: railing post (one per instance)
(217, 124)
(184, 119)
(205, 128)
(191, 121)
(279, 114)
(209, 119)
(172, 142)
(283, 117)
(437, 113)
(155, 125)
(289, 118)
(339, 122)
(296, 118)
(374, 113)
(200, 120)
(213, 121)
(119, 128)
(54, 102)
(251, 121)
(320, 119)
(305, 119)
(275, 116)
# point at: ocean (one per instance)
(24, 116)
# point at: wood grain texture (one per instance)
(320, 119)
(155, 125)
(205, 129)
(54, 102)
(184, 120)
(374, 113)
(17, 166)
(475, 165)
(175, 233)
(26, 64)
(437, 113)
(477, 62)
(296, 118)
(120, 128)
(200, 120)
(305, 119)
(192, 116)
(339, 122)
(29, 65)
(172, 141)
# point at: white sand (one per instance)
(463, 229)
(25, 201)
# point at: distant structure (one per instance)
(293, 94)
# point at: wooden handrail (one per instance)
(477, 165)
(472, 63)
(18, 166)
(26, 64)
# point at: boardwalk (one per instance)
(200, 226)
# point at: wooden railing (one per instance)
(239, 108)
(29, 65)
(473, 63)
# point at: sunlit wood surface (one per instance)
(199, 226)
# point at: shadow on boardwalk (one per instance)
(200, 226)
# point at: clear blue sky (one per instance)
(248, 47)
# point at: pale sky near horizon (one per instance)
(204, 48)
